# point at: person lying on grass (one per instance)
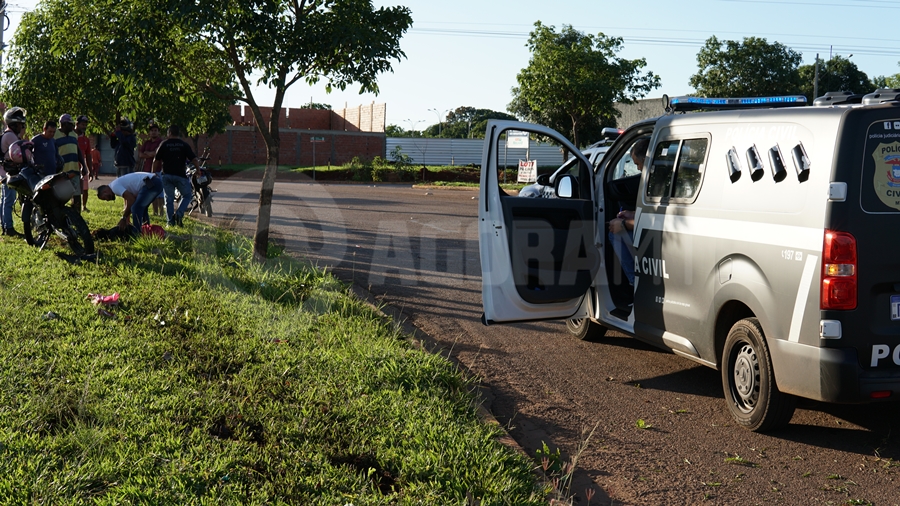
(138, 189)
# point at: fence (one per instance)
(429, 151)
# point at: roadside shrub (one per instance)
(406, 173)
(383, 171)
(360, 170)
(400, 158)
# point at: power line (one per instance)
(662, 41)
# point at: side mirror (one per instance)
(543, 180)
(566, 186)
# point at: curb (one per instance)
(424, 342)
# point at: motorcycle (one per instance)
(44, 209)
(201, 178)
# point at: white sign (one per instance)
(516, 139)
(527, 171)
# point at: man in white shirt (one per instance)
(138, 189)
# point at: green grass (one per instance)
(221, 381)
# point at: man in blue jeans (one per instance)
(171, 157)
(621, 229)
(138, 189)
(15, 129)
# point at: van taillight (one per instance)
(839, 271)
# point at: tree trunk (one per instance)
(272, 137)
(261, 238)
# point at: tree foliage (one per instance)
(342, 42)
(892, 81)
(465, 123)
(574, 79)
(63, 59)
(836, 74)
(750, 68)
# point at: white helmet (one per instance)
(14, 115)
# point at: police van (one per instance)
(762, 245)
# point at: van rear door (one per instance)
(868, 160)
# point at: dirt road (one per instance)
(417, 250)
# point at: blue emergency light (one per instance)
(682, 104)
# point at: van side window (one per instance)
(660, 180)
(676, 169)
(690, 166)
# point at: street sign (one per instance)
(516, 139)
(316, 139)
(527, 171)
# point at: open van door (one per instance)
(538, 255)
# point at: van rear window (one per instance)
(881, 168)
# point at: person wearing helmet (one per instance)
(123, 141)
(15, 130)
(73, 161)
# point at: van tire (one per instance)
(749, 381)
(585, 329)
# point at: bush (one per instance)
(382, 170)
(360, 170)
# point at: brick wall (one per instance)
(245, 145)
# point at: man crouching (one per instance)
(138, 189)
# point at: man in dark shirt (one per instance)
(171, 157)
(45, 154)
(123, 141)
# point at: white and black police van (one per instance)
(763, 245)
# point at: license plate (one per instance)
(201, 179)
(895, 307)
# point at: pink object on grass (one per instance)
(106, 300)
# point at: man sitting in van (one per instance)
(621, 229)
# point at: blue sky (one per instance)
(467, 52)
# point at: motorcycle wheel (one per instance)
(77, 233)
(207, 205)
(37, 231)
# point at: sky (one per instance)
(469, 52)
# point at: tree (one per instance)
(892, 82)
(469, 122)
(573, 80)
(59, 63)
(750, 68)
(286, 41)
(836, 74)
(182, 46)
(317, 105)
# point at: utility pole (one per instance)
(816, 80)
(3, 19)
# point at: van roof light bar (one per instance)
(838, 98)
(685, 104)
(881, 96)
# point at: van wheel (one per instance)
(749, 381)
(585, 329)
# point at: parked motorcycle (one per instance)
(44, 198)
(201, 178)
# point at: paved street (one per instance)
(416, 250)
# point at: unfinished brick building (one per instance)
(336, 136)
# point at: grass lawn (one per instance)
(220, 381)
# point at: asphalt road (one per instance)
(416, 250)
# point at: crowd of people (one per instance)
(145, 175)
